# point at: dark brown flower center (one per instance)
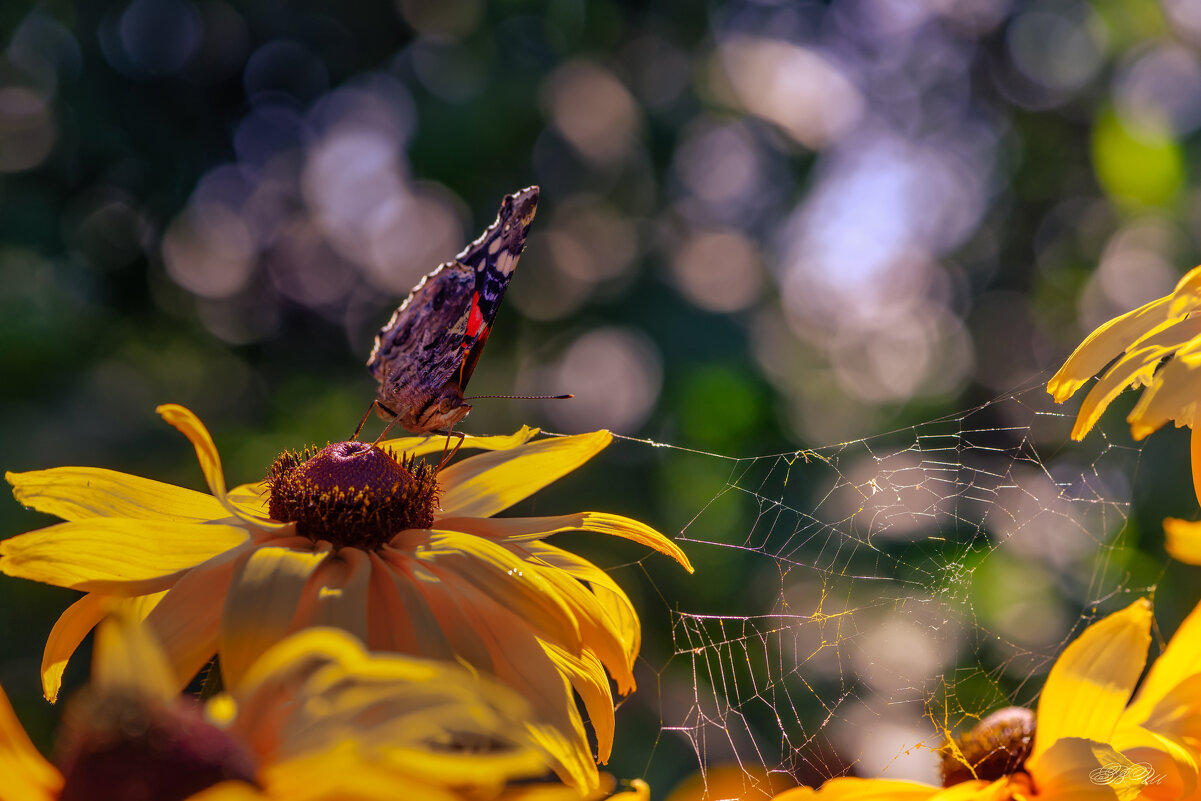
(123, 747)
(351, 494)
(995, 747)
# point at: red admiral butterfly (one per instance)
(424, 357)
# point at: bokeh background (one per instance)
(765, 225)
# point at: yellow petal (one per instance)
(1187, 295)
(69, 630)
(261, 604)
(229, 791)
(337, 593)
(489, 483)
(1089, 685)
(436, 443)
(1180, 660)
(190, 426)
(855, 789)
(520, 529)
(24, 774)
(1103, 344)
(1172, 397)
(1081, 769)
(587, 676)
(126, 657)
(1195, 459)
(1182, 538)
(639, 791)
(251, 499)
(78, 493)
(1132, 369)
(105, 553)
(506, 579)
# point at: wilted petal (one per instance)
(483, 485)
(104, 553)
(79, 493)
(1091, 682)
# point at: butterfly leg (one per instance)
(446, 457)
(370, 409)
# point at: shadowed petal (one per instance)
(266, 590)
(398, 617)
(1180, 660)
(127, 658)
(483, 485)
(1172, 395)
(1068, 770)
(855, 789)
(69, 630)
(518, 529)
(104, 552)
(79, 493)
(337, 593)
(1088, 687)
(587, 677)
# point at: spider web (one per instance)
(894, 590)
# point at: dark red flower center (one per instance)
(123, 747)
(351, 494)
(997, 746)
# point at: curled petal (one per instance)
(1133, 369)
(520, 529)
(1103, 344)
(1183, 537)
(1172, 396)
(483, 485)
(79, 493)
(587, 677)
(1088, 687)
(105, 553)
(190, 426)
(1187, 295)
(69, 630)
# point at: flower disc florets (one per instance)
(351, 494)
(118, 746)
(995, 747)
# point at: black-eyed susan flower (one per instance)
(1090, 741)
(316, 718)
(1156, 346)
(375, 545)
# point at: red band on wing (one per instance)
(475, 320)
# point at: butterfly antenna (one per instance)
(522, 397)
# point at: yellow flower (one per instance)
(215, 573)
(1091, 741)
(316, 718)
(1168, 328)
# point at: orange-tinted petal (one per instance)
(587, 677)
(1133, 369)
(1195, 459)
(24, 774)
(1103, 344)
(1180, 660)
(398, 617)
(337, 593)
(79, 493)
(507, 581)
(483, 485)
(1084, 770)
(1182, 538)
(519, 529)
(105, 553)
(190, 426)
(855, 789)
(266, 590)
(186, 621)
(1089, 685)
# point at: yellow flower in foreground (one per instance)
(404, 560)
(1168, 328)
(315, 719)
(1091, 741)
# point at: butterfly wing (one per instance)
(493, 257)
(421, 348)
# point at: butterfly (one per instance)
(425, 355)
